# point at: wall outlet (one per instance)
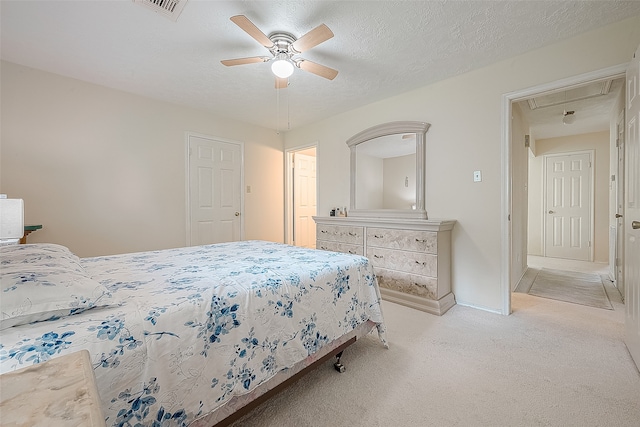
(477, 176)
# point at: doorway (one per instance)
(512, 180)
(301, 196)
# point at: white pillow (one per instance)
(45, 282)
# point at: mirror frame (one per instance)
(385, 129)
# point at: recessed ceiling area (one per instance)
(381, 48)
(591, 103)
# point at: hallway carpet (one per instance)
(571, 286)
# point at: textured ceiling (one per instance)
(381, 48)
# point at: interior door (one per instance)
(215, 196)
(632, 211)
(304, 208)
(568, 206)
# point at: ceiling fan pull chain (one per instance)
(288, 110)
(278, 112)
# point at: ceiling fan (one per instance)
(284, 47)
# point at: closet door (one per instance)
(215, 191)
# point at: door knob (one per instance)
(618, 215)
(552, 212)
(635, 224)
(237, 214)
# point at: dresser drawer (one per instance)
(409, 240)
(422, 286)
(340, 247)
(340, 233)
(409, 262)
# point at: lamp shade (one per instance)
(11, 219)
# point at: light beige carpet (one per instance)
(570, 286)
(548, 364)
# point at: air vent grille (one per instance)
(169, 8)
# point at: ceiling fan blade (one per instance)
(281, 83)
(242, 61)
(320, 70)
(250, 28)
(313, 38)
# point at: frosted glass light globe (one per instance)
(282, 68)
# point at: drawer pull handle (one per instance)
(352, 252)
(352, 234)
(421, 263)
(323, 231)
(378, 236)
(421, 240)
(378, 256)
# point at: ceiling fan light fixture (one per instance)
(282, 66)
(568, 117)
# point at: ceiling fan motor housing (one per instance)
(282, 43)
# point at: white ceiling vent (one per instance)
(169, 8)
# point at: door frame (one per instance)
(618, 274)
(288, 188)
(506, 174)
(592, 195)
(187, 194)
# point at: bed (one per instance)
(186, 336)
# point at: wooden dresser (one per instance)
(411, 257)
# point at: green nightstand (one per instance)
(28, 229)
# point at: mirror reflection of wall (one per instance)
(399, 183)
(386, 173)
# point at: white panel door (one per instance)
(568, 206)
(304, 187)
(215, 198)
(632, 211)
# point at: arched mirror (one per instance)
(387, 171)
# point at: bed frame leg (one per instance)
(339, 366)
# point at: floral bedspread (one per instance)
(196, 326)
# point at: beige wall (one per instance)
(465, 113)
(104, 170)
(599, 142)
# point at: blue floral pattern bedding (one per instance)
(199, 325)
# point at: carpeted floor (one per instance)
(570, 286)
(548, 364)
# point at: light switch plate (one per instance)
(477, 176)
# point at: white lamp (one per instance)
(11, 221)
(282, 66)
